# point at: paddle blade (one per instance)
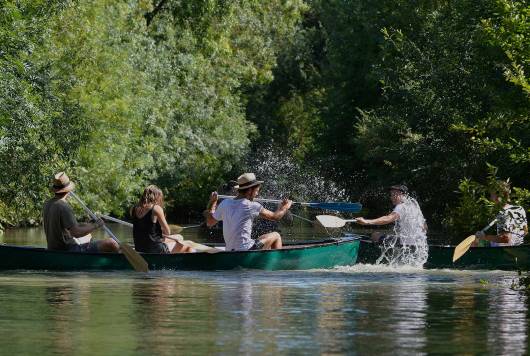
(336, 206)
(200, 247)
(462, 247)
(175, 229)
(134, 258)
(330, 221)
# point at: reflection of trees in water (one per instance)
(68, 308)
(250, 317)
(455, 318)
(507, 321)
(60, 301)
(332, 319)
(390, 317)
(173, 315)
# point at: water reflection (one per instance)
(507, 322)
(261, 312)
(61, 306)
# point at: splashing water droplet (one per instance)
(408, 245)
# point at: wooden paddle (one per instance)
(336, 206)
(197, 246)
(332, 221)
(464, 246)
(134, 258)
(175, 229)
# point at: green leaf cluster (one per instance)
(120, 94)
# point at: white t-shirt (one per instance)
(410, 224)
(237, 216)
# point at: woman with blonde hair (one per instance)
(150, 227)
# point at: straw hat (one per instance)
(247, 180)
(62, 184)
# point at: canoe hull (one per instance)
(485, 258)
(296, 257)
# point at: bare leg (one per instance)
(272, 240)
(108, 245)
(177, 247)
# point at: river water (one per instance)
(347, 310)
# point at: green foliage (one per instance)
(30, 147)
(474, 209)
(124, 93)
(510, 30)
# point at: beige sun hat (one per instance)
(247, 180)
(62, 184)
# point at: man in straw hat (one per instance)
(61, 226)
(238, 214)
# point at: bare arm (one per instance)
(159, 213)
(212, 205)
(502, 238)
(80, 230)
(383, 220)
(278, 214)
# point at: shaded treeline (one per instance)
(122, 93)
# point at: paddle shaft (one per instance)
(464, 246)
(110, 218)
(489, 225)
(351, 207)
(265, 200)
(133, 257)
(128, 224)
(93, 216)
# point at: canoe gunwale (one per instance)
(292, 246)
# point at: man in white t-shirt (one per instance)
(409, 221)
(239, 213)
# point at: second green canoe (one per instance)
(489, 258)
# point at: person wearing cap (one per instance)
(407, 216)
(239, 213)
(61, 226)
(512, 225)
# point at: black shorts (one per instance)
(91, 246)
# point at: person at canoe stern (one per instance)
(239, 213)
(61, 226)
(512, 225)
(409, 222)
(150, 226)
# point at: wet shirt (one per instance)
(512, 219)
(57, 217)
(410, 224)
(237, 216)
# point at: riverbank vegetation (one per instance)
(178, 93)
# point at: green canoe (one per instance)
(502, 258)
(311, 255)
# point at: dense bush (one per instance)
(124, 93)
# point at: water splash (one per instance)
(285, 177)
(408, 245)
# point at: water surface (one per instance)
(347, 310)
